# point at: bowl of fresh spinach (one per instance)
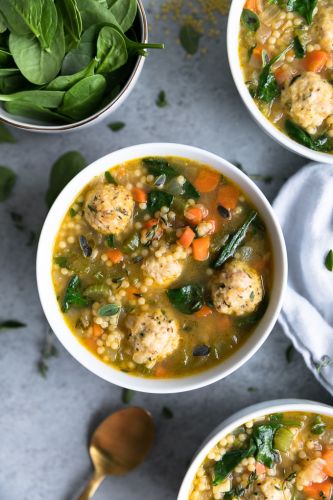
(65, 64)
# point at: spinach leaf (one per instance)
(7, 181)
(5, 58)
(189, 38)
(37, 65)
(318, 427)
(80, 57)
(109, 310)
(252, 319)
(93, 12)
(167, 412)
(161, 100)
(303, 7)
(72, 21)
(263, 436)
(322, 143)
(6, 135)
(158, 166)
(9, 71)
(73, 296)
(158, 199)
(268, 88)
(109, 178)
(44, 98)
(65, 82)
(111, 50)
(298, 48)
(116, 126)
(187, 299)
(33, 111)
(124, 12)
(11, 324)
(63, 170)
(189, 191)
(250, 20)
(12, 83)
(82, 99)
(229, 461)
(234, 240)
(329, 261)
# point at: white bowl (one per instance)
(48, 296)
(236, 70)
(35, 126)
(240, 418)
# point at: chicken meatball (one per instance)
(275, 489)
(153, 336)
(309, 101)
(237, 289)
(166, 265)
(108, 208)
(321, 30)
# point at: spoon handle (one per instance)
(92, 486)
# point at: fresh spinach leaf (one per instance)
(65, 82)
(158, 166)
(82, 99)
(109, 310)
(322, 143)
(116, 126)
(318, 427)
(111, 50)
(6, 135)
(11, 324)
(268, 88)
(80, 57)
(298, 48)
(189, 38)
(33, 111)
(187, 299)
(43, 98)
(158, 199)
(305, 8)
(263, 436)
(7, 181)
(250, 20)
(161, 100)
(93, 12)
(63, 170)
(109, 178)
(72, 21)
(124, 12)
(189, 191)
(329, 261)
(229, 461)
(73, 296)
(167, 412)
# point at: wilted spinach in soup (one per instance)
(285, 456)
(162, 267)
(286, 53)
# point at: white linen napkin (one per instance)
(304, 207)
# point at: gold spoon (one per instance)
(119, 444)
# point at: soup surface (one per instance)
(285, 456)
(162, 267)
(286, 53)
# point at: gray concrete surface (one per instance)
(45, 423)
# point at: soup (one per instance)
(286, 53)
(285, 456)
(162, 267)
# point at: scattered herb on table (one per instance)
(7, 181)
(6, 135)
(189, 38)
(116, 126)
(161, 100)
(63, 170)
(329, 260)
(11, 324)
(324, 362)
(48, 350)
(290, 351)
(17, 219)
(127, 396)
(167, 412)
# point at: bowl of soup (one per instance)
(275, 450)
(161, 267)
(281, 58)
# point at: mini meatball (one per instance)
(108, 208)
(153, 336)
(321, 31)
(275, 489)
(237, 289)
(166, 265)
(309, 101)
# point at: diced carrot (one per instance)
(228, 196)
(161, 371)
(260, 468)
(281, 75)
(257, 51)
(115, 255)
(139, 195)
(203, 312)
(207, 181)
(251, 5)
(91, 343)
(328, 457)
(200, 248)
(97, 330)
(132, 290)
(194, 215)
(318, 491)
(316, 60)
(150, 223)
(187, 237)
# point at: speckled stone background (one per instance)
(45, 423)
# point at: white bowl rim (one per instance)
(241, 417)
(236, 71)
(55, 317)
(15, 122)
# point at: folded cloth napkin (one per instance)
(304, 207)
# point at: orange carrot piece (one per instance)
(194, 215)
(139, 195)
(228, 196)
(187, 237)
(200, 248)
(132, 290)
(316, 60)
(150, 223)
(257, 51)
(281, 75)
(318, 491)
(91, 343)
(260, 468)
(251, 5)
(97, 330)
(328, 457)
(207, 181)
(203, 312)
(115, 255)
(161, 371)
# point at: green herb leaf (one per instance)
(268, 88)
(116, 126)
(61, 261)
(290, 353)
(303, 7)
(189, 38)
(318, 427)
(73, 296)
(6, 135)
(233, 242)
(161, 100)
(298, 48)
(329, 260)
(127, 396)
(158, 199)
(84, 97)
(109, 310)
(124, 11)
(159, 166)
(187, 299)
(111, 50)
(109, 178)
(324, 362)
(322, 143)
(63, 170)
(263, 436)
(7, 181)
(229, 461)
(111, 241)
(250, 20)
(11, 324)
(167, 413)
